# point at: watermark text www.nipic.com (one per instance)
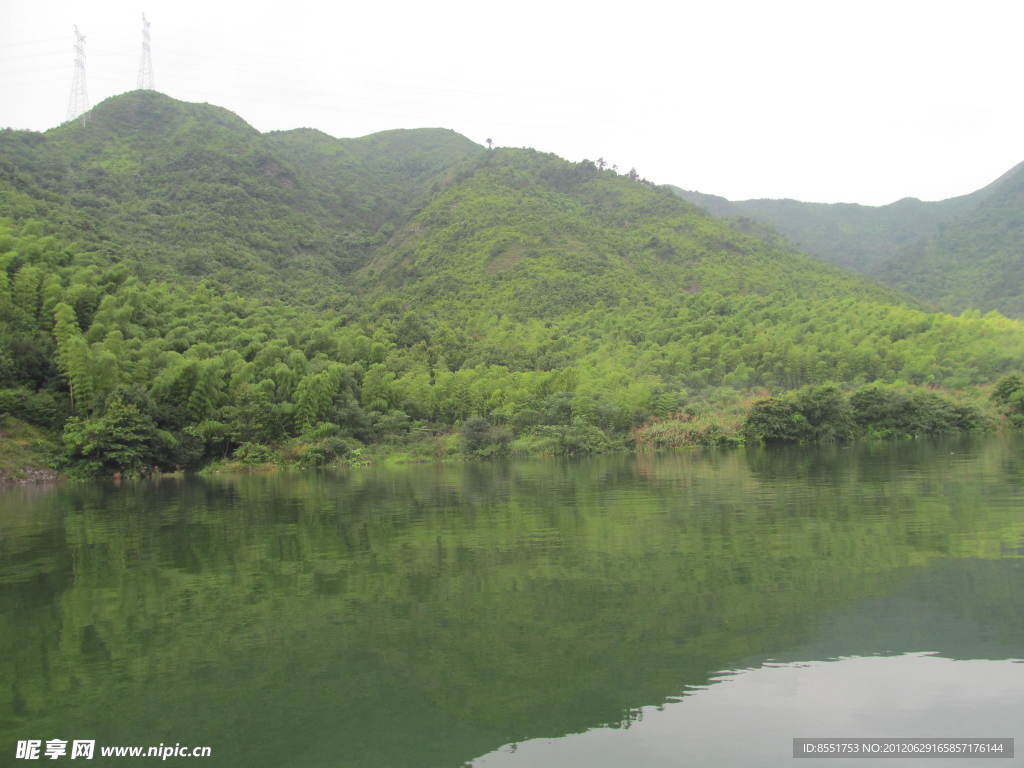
(86, 749)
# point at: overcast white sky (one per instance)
(825, 100)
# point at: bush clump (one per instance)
(1009, 397)
(123, 438)
(35, 407)
(810, 415)
(682, 432)
(825, 414)
(889, 412)
(253, 454)
(483, 439)
(577, 439)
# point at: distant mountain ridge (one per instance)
(961, 253)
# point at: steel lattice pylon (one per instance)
(78, 101)
(146, 80)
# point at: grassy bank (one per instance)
(26, 452)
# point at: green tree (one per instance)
(123, 439)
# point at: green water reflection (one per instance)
(427, 616)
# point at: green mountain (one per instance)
(176, 287)
(961, 253)
(530, 235)
(974, 260)
(176, 189)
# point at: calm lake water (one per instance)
(683, 609)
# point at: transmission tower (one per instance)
(78, 101)
(146, 81)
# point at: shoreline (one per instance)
(40, 475)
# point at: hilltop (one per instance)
(975, 259)
(176, 189)
(961, 253)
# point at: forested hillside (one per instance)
(190, 190)
(962, 253)
(177, 289)
(976, 259)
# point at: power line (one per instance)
(61, 52)
(21, 43)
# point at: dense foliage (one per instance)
(146, 373)
(505, 301)
(826, 414)
(960, 253)
(976, 259)
(176, 189)
(1009, 395)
